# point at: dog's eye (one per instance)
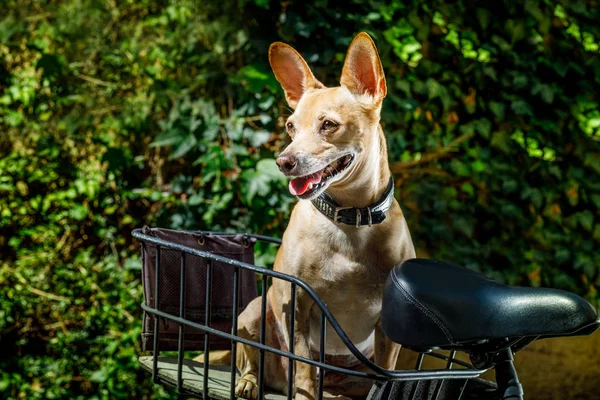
(328, 126)
(290, 127)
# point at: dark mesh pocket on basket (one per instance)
(234, 247)
(475, 389)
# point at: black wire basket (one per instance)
(200, 379)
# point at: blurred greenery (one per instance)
(118, 114)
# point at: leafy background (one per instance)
(118, 114)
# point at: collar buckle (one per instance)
(337, 210)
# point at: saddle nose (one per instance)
(286, 163)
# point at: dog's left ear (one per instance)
(292, 72)
(363, 73)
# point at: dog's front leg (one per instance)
(386, 351)
(305, 377)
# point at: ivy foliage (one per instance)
(118, 114)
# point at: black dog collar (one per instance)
(373, 214)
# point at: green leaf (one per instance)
(545, 92)
(509, 185)
(516, 29)
(184, 147)
(262, 3)
(464, 226)
(99, 376)
(195, 199)
(269, 168)
(13, 118)
(438, 19)
(255, 78)
(586, 219)
(502, 141)
(133, 263)
(468, 188)
(593, 161)
(484, 17)
(168, 138)
(478, 166)
(79, 212)
(497, 109)
(483, 127)
(259, 184)
(258, 137)
(521, 107)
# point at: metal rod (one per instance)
(462, 391)
(261, 238)
(445, 358)
(155, 349)
(322, 355)
(234, 324)
(451, 359)
(207, 309)
(181, 326)
(388, 375)
(413, 392)
(438, 388)
(419, 361)
(291, 341)
(261, 354)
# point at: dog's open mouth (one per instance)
(305, 186)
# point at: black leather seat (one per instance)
(432, 304)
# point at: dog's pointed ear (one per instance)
(363, 73)
(292, 72)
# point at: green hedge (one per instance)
(118, 114)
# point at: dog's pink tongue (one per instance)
(299, 185)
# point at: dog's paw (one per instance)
(329, 396)
(247, 387)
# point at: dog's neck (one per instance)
(369, 178)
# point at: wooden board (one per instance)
(192, 373)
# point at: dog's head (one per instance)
(334, 130)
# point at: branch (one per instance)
(442, 152)
(47, 295)
(37, 17)
(38, 291)
(95, 81)
(414, 173)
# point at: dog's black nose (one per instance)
(286, 163)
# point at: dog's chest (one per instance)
(335, 260)
(350, 281)
(348, 285)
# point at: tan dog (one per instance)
(338, 146)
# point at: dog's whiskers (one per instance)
(288, 109)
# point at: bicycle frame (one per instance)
(376, 372)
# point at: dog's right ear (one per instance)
(292, 72)
(362, 73)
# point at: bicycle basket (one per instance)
(195, 324)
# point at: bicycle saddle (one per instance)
(431, 304)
